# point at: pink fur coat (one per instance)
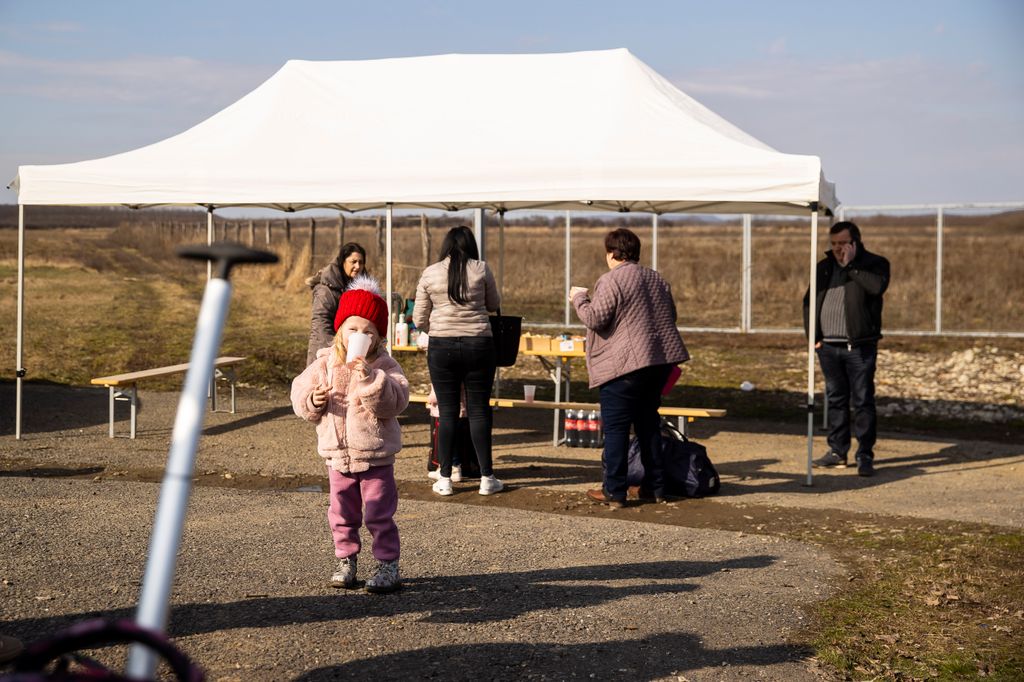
(358, 427)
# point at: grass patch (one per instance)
(925, 603)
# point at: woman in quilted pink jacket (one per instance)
(632, 346)
(355, 404)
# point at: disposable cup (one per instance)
(358, 346)
(529, 392)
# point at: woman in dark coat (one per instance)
(328, 285)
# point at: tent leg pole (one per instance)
(812, 326)
(501, 250)
(209, 240)
(568, 267)
(388, 218)
(19, 359)
(480, 232)
(654, 242)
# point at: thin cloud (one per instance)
(777, 46)
(138, 79)
(709, 87)
(60, 27)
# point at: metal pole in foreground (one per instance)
(177, 482)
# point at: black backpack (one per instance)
(686, 467)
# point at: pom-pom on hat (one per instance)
(362, 298)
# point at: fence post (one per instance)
(252, 233)
(288, 230)
(938, 270)
(341, 230)
(312, 241)
(268, 230)
(424, 240)
(745, 321)
(381, 246)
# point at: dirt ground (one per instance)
(534, 583)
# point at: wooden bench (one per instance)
(684, 415)
(123, 386)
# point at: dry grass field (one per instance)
(103, 299)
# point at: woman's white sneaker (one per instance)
(456, 474)
(490, 485)
(443, 486)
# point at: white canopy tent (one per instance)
(577, 131)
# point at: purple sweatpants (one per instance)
(376, 492)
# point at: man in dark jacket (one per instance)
(851, 282)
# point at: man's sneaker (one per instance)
(385, 579)
(865, 467)
(443, 486)
(490, 485)
(345, 575)
(831, 459)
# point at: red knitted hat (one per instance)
(362, 298)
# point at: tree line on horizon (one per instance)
(50, 217)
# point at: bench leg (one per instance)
(134, 400)
(111, 401)
(228, 374)
(558, 398)
(684, 426)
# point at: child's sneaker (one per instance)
(434, 474)
(345, 575)
(385, 579)
(490, 485)
(443, 486)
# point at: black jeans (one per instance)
(456, 362)
(632, 399)
(850, 378)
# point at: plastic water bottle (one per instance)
(593, 429)
(402, 331)
(572, 434)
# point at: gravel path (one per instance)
(490, 592)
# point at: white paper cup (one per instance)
(358, 346)
(529, 392)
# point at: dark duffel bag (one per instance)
(686, 468)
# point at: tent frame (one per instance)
(21, 372)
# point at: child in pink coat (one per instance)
(355, 406)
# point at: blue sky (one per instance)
(904, 101)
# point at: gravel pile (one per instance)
(985, 384)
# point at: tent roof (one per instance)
(598, 130)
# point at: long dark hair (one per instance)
(343, 253)
(460, 246)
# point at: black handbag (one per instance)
(506, 330)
